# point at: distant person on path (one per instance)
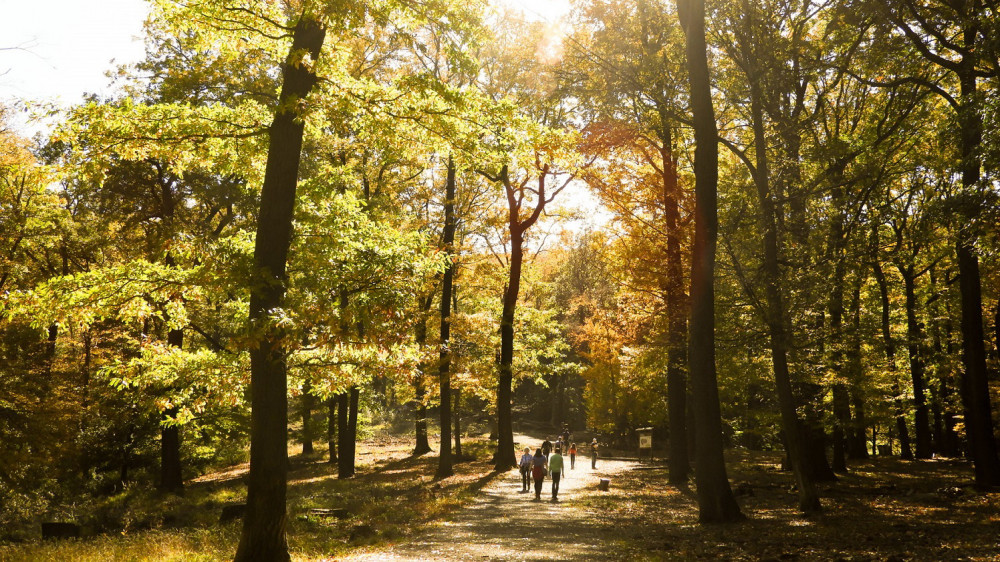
(546, 448)
(538, 467)
(525, 465)
(572, 456)
(559, 443)
(555, 470)
(593, 454)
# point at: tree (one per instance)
(630, 79)
(950, 38)
(716, 503)
(263, 536)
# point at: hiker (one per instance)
(555, 470)
(538, 468)
(572, 456)
(546, 448)
(559, 443)
(525, 465)
(593, 454)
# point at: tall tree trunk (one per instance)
(914, 336)
(975, 380)
(857, 447)
(422, 446)
(835, 254)
(842, 424)
(345, 464)
(308, 403)
(716, 503)
(504, 458)
(776, 321)
(350, 452)
(444, 468)
(331, 428)
(457, 415)
(263, 536)
(170, 437)
(890, 350)
(679, 465)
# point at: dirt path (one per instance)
(505, 524)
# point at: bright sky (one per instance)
(57, 50)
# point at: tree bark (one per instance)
(457, 415)
(890, 350)
(422, 446)
(914, 336)
(345, 466)
(308, 403)
(263, 536)
(331, 428)
(776, 321)
(975, 380)
(350, 451)
(857, 447)
(679, 465)
(171, 478)
(716, 503)
(444, 468)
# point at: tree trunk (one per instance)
(835, 254)
(345, 464)
(716, 503)
(308, 403)
(444, 468)
(679, 466)
(842, 423)
(856, 445)
(504, 459)
(975, 379)
(457, 415)
(914, 336)
(352, 432)
(420, 423)
(263, 536)
(331, 428)
(890, 349)
(170, 437)
(776, 321)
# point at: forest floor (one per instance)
(884, 509)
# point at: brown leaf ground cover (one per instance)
(884, 509)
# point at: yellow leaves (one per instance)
(217, 137)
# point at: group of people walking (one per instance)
(547, 461)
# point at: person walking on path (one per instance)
(572, 456)
(593, 454)
(555, 470)
(525, 465)
(538, 467)
(546, 448)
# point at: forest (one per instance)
(301, 230)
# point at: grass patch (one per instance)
(392, 496)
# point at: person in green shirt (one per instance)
(555, 470)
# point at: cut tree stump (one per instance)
(604, 485)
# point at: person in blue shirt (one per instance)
(525, 465)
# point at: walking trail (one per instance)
(505, 524)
